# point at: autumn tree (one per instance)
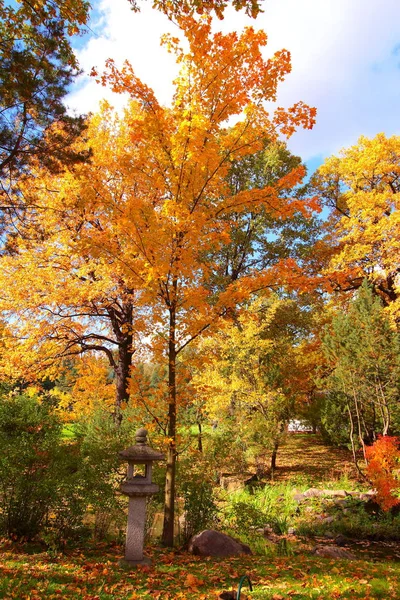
(141, 221)
(382, 470)
(361, 189)
(84, 384)
(64, 281)
(250, 371)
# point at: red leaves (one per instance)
(384, 459)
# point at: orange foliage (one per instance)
(383, 468)
(128, 238)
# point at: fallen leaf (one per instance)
(192, 581)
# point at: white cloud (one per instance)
(343, 58)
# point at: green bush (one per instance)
(199, 507)
(58, 488)
(272, 505)
(29, 465)
(196, 489)
(245, 515)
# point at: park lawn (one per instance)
(95, 574)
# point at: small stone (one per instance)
(298, 497)
(335, 493)
(341, 502)
(313, 493)
(291, 531)
(366, 497)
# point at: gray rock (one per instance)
(341, 502)
(313, 493)
(214, 543)
(298, 497)
(291, 531)
(367, 496)
(335, 493)
(333, 552)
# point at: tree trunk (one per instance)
(169, 502)
(122, 373)
(273, 458)
(199, 438)
(124, 361)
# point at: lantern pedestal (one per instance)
(138, 488)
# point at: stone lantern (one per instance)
(138, 486)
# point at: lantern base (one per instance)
(135, 563)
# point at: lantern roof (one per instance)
(140, 452)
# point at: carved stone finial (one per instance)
(141, 436)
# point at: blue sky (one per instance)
(345, 58)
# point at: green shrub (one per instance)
(29, 464)
(199, 507)
(245, 515)
(196, 489)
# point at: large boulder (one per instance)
(214, 543)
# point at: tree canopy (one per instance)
(361, 188)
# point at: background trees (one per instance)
(362, 388)
(183, 216)
(246, 370)
(361, 188)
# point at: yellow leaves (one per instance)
(363, 184)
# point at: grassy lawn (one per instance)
(95, 574)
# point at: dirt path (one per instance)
(308, 456)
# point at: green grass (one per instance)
(68, 431)
(95, 574)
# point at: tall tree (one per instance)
(361, 188)
(222, 76)
(37, 65)
(155, 204)
(62, 274)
